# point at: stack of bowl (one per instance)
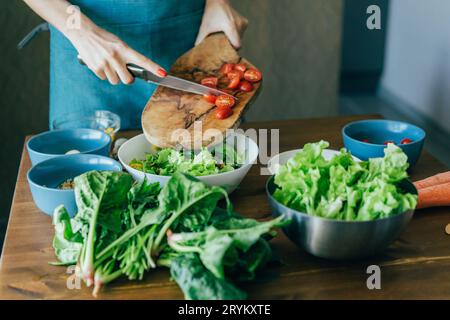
(60, 155)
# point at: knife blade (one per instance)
(175, 82)
(171, 81)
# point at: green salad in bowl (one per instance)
(342, 188)
(167, 161)
(225, 164)
(342, 208)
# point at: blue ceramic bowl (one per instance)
(56, 143)
(45, 177)
(379, 131)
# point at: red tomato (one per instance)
(234, 83)
(227, 67)
(252, 75)
(365, 140)
(241, 67)
(210, 82)
(406, 141)
(235, 74)
(245, 86)
(210, 98)
(223, 112)
(389, 141)
(224, 101)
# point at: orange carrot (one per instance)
(439, 178)
(434, 196)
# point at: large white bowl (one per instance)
(280, 159)
(137, 147)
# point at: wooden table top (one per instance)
(416, 266)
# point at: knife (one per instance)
(171, 81)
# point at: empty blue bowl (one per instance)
(377, 132)
(45, 177)
(56, 143)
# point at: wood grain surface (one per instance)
(416, 266)
(169, 110)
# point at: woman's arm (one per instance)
(220, 16)
(104, 53)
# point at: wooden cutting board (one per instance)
(169, 110)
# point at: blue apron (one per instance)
(159, 29)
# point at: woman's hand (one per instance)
(104, 53)
(107, 56)
(220, 16)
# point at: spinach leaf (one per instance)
(100, 191)
(96, 194)
(189, 202)
(246, 264)
(67, 242)
(213, 244)
(121, 229)
(143, 196)
(182, 198)
(197, 283)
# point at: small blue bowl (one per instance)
(379, 131)
(56, 143)
(45, 177)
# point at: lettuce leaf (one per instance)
(341, 188)
(168, 161)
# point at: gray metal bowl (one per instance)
(337, 239)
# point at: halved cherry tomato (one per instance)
(223, 112)
(406, 141)
(223, 82)
(234, 83)
(235, 74)
(389, 141)
(245, 86)
(210, 98)
(241, 67)
(227, 67)
(252, 75)
(224, 101)
(228, 91)
(210, 82)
